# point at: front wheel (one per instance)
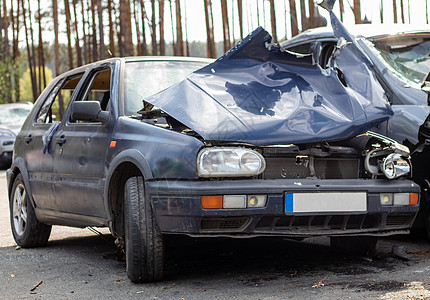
(26, 229)
(144, 245)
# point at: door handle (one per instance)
(28, 139)
(60, 140)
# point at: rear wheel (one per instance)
(26, 229)
(354, 245)
(144, 245)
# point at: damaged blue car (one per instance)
(256, 143)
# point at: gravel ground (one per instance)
(78, 264)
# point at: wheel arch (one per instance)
(127, 164)
(19, 167)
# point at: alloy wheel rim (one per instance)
(19, 209)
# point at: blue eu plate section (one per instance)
(289, 202)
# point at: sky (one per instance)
(193, 11)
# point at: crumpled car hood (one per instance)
(260, 95)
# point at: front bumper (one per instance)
(178, 208)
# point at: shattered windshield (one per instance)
(407, 55)
(146, 78)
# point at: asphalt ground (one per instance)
(79, 264)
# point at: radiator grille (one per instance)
(325, 168)
(399, 219)
(318, 223)
(226, 223)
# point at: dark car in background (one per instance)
(12, 116)
(400, 55)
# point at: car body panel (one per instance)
(261, 95)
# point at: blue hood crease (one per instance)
(258, 94)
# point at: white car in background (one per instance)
(12, 116)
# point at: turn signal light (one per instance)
(413, 198)
(211, 202)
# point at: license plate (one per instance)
(326, 202)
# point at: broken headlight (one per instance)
(395, 165)
(229, 162)
(387, 158)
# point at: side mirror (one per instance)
(89, 111)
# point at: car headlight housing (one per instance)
(229, 162)
(395, 165)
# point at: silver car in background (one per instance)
(12, 116)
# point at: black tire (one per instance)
(355, 245)
(144, 244)
(27, 231)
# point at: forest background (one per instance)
(42, 39)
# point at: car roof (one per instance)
(15, 105)
(369, 31)
(136, 59)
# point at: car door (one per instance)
(39, 154)
(80, 152)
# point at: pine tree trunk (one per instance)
(89, 35)
(143, 16)
(179, 39)
(68, 31)
(240, 13)
(312, 22)
(15, 55)
(303, 15)
(94, 31)
(111, 30)
(293, 18)
(57, 53)
(210, 44)
(357, 12)
(102, 50)
(40, 46)
(402, 11)
(395, 11)
(153, 30)
(84, 35)
(125, 24)
(161, 22)
(342, 10)
(77, 46)
(136, 23)
(33, 49)
(225, 27)
(273, 19)
(7, 75)
(29, 54)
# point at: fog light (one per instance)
(234, 201)
(256, 201)
(386, 199)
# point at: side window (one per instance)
(98, 89)
(55, 104)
